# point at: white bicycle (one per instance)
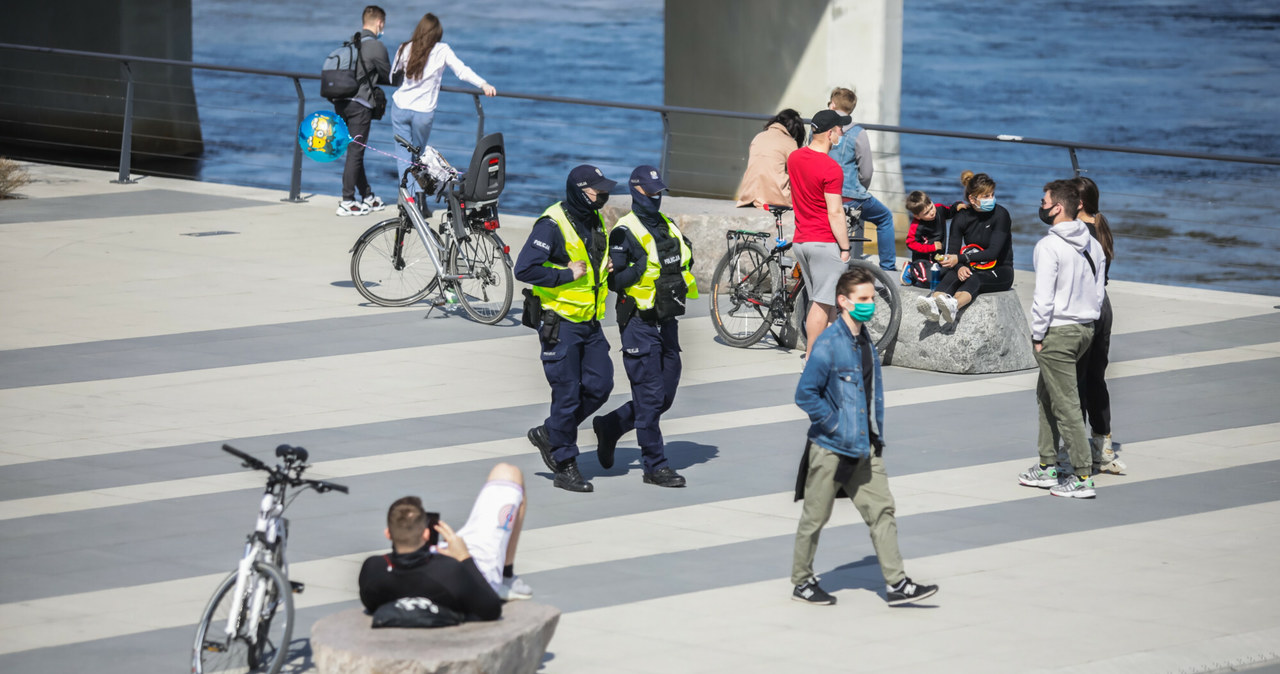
(248, 622)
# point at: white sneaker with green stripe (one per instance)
(1036, 476)
(1074, 488)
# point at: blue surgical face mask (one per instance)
(863, 311)
(987, 203)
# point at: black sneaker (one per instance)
(809, 593)
(664, 477)
(908, 592)
(569, 479)
(538, 436)
(604, 444)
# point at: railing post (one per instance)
(1075, 165)
(295, 182)
(666, 140)
(479, 118)
(126, 134)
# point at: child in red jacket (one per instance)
(926, 237)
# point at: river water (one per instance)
(1195, 75)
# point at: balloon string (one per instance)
(356, 140)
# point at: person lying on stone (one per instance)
(470, 571)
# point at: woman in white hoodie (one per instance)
(420, 64)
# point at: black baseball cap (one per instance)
(648, 179)
(590, 176)
(826, 120)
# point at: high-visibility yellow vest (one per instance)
(582, 299)
(643, 290)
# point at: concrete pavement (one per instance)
(131, 349)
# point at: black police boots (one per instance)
(538, 436)
(569, 478)
(605, 442)
(664, 477)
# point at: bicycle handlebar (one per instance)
(323, 486)
(249, 461)
(286, 452)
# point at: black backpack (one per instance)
(338, 79)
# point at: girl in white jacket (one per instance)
(420, 63)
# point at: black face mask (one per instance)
(602, 198)
(1045, 216)
(646, 207)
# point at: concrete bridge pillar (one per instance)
(75, 104)
(762, 56)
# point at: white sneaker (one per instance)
(349, 208)
(374, 202)
(514, 589)
(926, 306)
(948, 307)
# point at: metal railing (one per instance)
(126, 62)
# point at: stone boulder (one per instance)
(344, 643)
(990, 335)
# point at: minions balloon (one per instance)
(323, 136)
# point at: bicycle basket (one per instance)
(433, 171)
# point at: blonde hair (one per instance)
(844, 99)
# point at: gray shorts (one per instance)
(821, 266)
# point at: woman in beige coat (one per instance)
(765, 180)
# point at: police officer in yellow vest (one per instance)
(566, 261)
(652, 263)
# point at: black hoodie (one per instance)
(442, 579)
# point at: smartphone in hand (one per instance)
(433, 536)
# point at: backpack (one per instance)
(338, 75)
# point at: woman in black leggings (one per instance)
(1091, 370)
(980, 236)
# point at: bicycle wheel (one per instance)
(390, 266)
(743, 289)
(275, 622)
(486, 293)
(216, 651)
(884, 324)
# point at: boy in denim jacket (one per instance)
(841, 392)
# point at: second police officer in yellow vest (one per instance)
(566, 261)
(652, 276)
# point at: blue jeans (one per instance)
(414, 127)
(876, 212)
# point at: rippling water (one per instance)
(1192, 75)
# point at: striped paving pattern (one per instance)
(118, 514)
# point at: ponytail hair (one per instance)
(1089, 204)
(976, 183)
(1104, 235)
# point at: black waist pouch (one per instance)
(669, 292)
(532, 314)
(549, 331)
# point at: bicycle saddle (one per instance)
(776, 210)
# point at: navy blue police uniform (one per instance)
(652, 279)
(574, 351)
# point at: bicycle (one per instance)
(464, 260)
(249, 619)
(756, 291)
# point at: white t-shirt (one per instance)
(419, 93)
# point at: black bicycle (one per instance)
(401, 261)
(756, 290)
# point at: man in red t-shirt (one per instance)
(822, 237)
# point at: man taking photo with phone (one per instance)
(470, 571)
